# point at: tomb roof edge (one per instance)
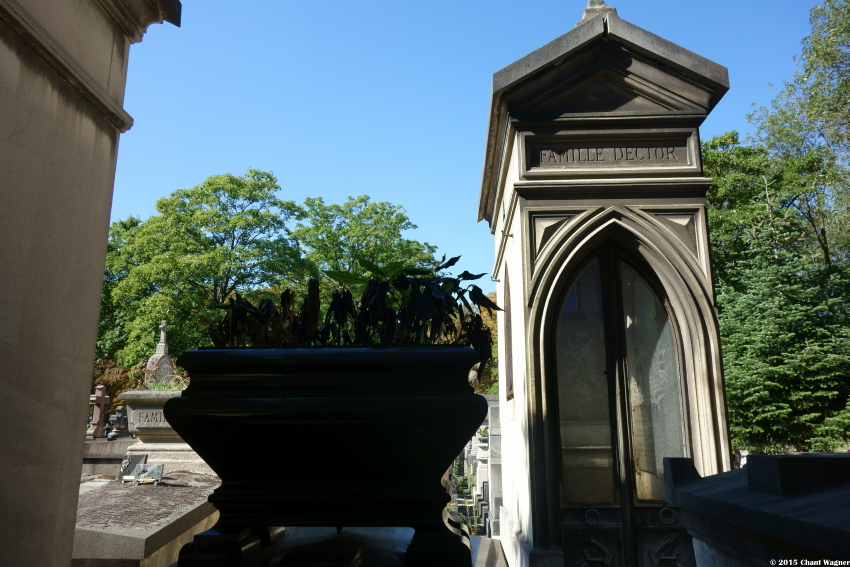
(609, 24)
(606, 25)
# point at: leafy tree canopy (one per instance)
(779, 215)
(226, 234)
(347, 238)
(808, 121)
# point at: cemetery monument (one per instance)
(160, 368)
(99, 402)
(594, 190)
(157, 439)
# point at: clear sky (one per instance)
(388, 98)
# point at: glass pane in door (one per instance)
(653, 385)
(587, 461)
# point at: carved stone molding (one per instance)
(545, 226)
(131, 16)
(45, 46)
(134, 16)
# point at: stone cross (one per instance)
(160, 368)
(99, 400)
(162, 346)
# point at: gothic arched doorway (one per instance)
(621, 409)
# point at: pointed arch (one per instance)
(687, 285)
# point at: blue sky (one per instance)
(387, 99)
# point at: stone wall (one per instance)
(62, 75)
(104, 458)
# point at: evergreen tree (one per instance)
(784, 318)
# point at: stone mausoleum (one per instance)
(594, 189)
(63, 70)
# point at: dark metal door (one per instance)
(620, 408)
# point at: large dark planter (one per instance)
(319, 437)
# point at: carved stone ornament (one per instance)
(666, 553)
(134, 16)
(596, 554)
(595, 8)
(160, 368)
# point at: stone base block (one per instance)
(175, 457)
(103, 458)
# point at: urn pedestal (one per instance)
(157, 438)
(263, 420)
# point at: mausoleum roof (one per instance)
(611, 26)
(604, 67)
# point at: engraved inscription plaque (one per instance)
(610, 154)
(569, 155)
(148, 418)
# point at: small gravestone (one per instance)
(129, 465)
(160, 368)
(118, 424)
(121, 416)
(99, 400)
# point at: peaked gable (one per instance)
(606, 77)
(605, 69)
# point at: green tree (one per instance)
(344, 237)
(808, 122)
(205, 243)
(112, 325)
(357, 239)
(783, 312)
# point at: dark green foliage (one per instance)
(391, 306)
(231, 234)
(786, 345)
(784, 319)
(488, 374)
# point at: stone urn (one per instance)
(157, 438)
(263, 418)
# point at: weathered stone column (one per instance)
(63, 69)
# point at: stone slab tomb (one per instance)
(594, 191)
(103, 458)
(156, 438)
(119, 524)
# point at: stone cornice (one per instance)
(45, 46)
(134, 16)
